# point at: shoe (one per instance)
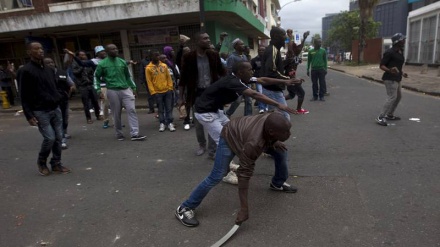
(171, 127)
(302, 111)
(67, 136)
(261, 111)
(392, 117)
(150, 112)
(89, 121)
(138, 137)
(314, 99)
(161, 127)
(59, 169)
(157, 116)
(63, 145)
(100, 118)
(186, 127)
(381, 121)
(120, 138)
(200, 151)
(321, 99)
(233, 166)
(231, 178)
(43, 170)
(105, 124)
(326, 94)
(284, 188)
(186, 217)
(91, 111)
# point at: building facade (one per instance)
(133, 25)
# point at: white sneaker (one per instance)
(91, 111)
(63, 145)
(261, 111)
(171, 127)
(186, 127)
(161, 127)
(233, 166)
(231, 178)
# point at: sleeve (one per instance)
(325, 59)
(77, 69)
(26, 89)
(150, 81)
(229, 63)
(85, 63)
(128, 77)
(97, 78)
(385, 59)
(220, 68)
(247, 161)
(184, 74)
(170, 83)
(270, 64)
(309, 60)
(237, 87)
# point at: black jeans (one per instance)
(89, 94)
(319, 75)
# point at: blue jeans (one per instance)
(261, 105)
(236, 103)
(318, 75)
(278, 96)
(223, 157)
(165, 107)
(50, 125)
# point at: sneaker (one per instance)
(91, 111)
(231, 178)
(171, 127)
(43, 170)
(200, 151)
(186, 217)
(381, 121)
(392, 117)
(138, 137)
(63, 145)
(284, 188)
(186, 127)
(261, 111)
(302, 111)
(59, 169)
(120, 138)
(161, 127)
(233, 166)
(105, 124)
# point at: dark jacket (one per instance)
(63, 84)
(190, 75)
(38, 89)
(83, 75)
(272, 66)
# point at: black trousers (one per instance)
(89, 94)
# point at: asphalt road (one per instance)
(360, 184)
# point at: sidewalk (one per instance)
(428, 83)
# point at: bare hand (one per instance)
(286, 109)
(33, 121)
(405, 75)
(279, 146)
(69, 52)
(394, 70)
(306, 34)
(242, 216)
(308, 73)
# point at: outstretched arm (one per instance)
(263, 98)
(265, 81)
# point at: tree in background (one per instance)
(366, 8)
(345, 28)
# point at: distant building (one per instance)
(326, 26)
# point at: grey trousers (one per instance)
(117, 99)
(200, 134)
(394, 92)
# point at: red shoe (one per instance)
(302, 111)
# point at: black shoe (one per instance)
(284, 188)
(314, 99)
(321, 99)
(381, 121)
(392, 117)
(186, 216)
(59, 169)
(138, 138)
(120, 138)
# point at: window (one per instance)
(14, 4)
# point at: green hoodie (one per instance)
(114, 71)
(317, 59)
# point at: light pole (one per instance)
(287, 4)
(359, 45)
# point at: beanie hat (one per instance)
(98, 49)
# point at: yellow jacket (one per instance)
(158, 78)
